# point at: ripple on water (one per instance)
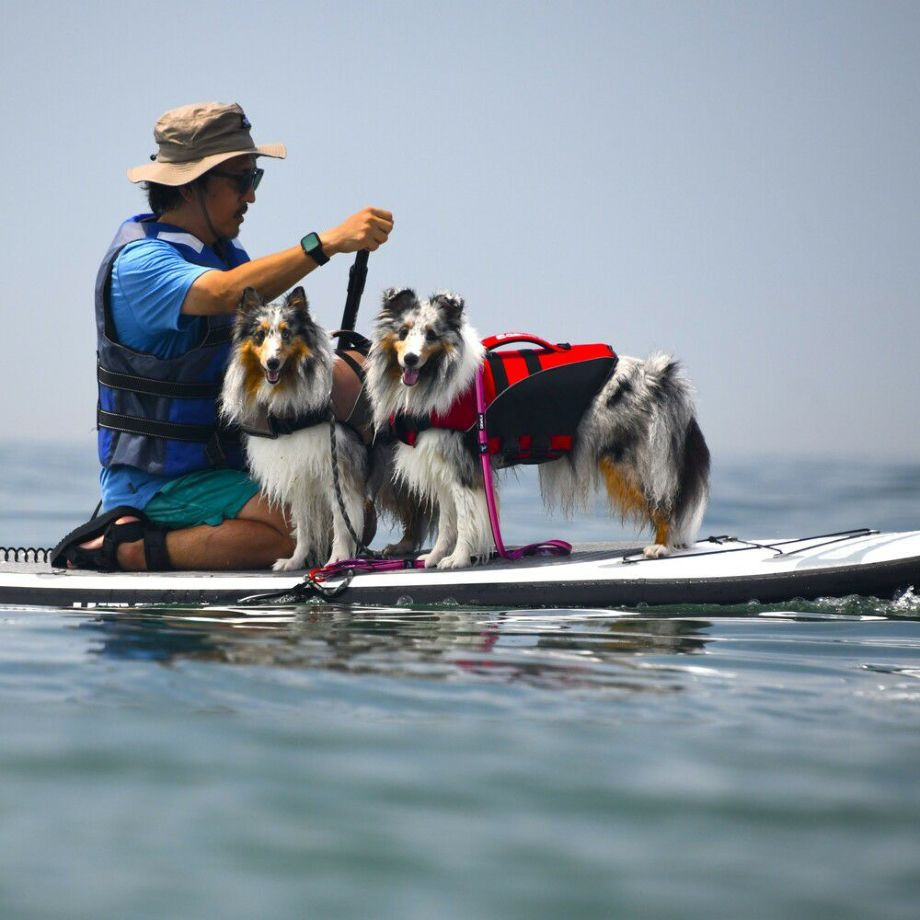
(757, 760)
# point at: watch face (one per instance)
(312, 245)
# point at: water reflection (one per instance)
(558, 648)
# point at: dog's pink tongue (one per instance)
(410, 376)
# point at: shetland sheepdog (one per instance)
(280, 378)
(639, 437)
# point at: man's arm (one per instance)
(271, 275)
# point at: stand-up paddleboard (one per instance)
(721, 570)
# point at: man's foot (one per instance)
(123, 538)
(127, 555)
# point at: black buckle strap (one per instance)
(275, 426)
(129, 424)
(290, 425)
(147, 386)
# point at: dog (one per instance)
(278, 388)
(638, 437)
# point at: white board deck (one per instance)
(596, 575)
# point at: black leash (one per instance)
(357, 275)
(306, 590)
(360, 548)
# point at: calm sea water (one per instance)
(705, 762)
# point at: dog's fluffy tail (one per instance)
(693, 487)
(675, 467)
(641, 441)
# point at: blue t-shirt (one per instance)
(149, 282)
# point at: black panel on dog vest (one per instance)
(536, 399)
(535, 419)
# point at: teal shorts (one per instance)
(205, 497)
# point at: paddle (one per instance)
(357, 275)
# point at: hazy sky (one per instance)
(733, 182)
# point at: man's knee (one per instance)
(258, 508)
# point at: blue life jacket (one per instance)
(160, 414)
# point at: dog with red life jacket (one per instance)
(589, 417)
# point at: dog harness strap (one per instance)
(271, 426)
(531, 361)
(290, 424)
(350, 361)
(407, 427)
(147, 386)
(497, 366)
(350, 401)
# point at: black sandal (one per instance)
(69, 554)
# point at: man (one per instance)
(174, 489)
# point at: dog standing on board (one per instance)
(639, 438)
(280, 377)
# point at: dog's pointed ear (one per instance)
(249, 300)
(297, 300)
(396, 302)
(450, 304)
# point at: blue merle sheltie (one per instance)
(277, 389)
(638, 438)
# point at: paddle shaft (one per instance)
(357, 275)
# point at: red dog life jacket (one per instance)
(535, 399)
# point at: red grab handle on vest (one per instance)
(505, 338)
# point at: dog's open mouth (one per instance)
(272, 376)
(410, 376)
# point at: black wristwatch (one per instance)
(313, 247)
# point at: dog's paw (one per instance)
(656, 551)
(456, 560)
(288, 565)
(395, 550)
(430, 560)
(338, 557)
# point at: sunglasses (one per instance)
(245, 181)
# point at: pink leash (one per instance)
(545, 548)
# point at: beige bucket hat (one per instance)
(195, 138)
